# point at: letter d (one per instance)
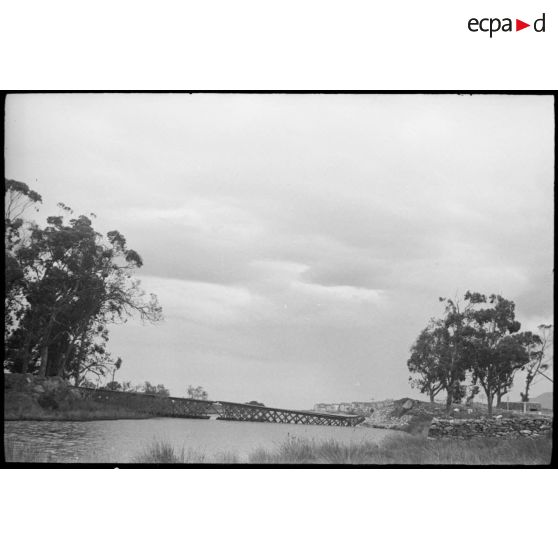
(541, 30)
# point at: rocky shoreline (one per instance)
(420, 418)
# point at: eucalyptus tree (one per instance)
(425, 364)
(476, 338)
(75, 283)
(18, 198)
(441, 354)
(539, 348)
(497, 350)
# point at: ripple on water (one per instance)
(120, 441)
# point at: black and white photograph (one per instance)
(279, 279)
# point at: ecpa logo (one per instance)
(494, 24)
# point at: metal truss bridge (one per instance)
(257, 413)
(201, 408)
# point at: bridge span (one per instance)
(257, 413)
(182, 407)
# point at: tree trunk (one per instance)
(25, 363)
(25, 355)
(54, 361)
(449, 400)
(525, 396)
(489, 399)
(498, 399)
(44, 347)
(44, 360)
(64, 361)
(25, 352)
(431, 397)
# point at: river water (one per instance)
(121, 441)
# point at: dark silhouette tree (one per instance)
(159, 390)
(196, 392)
(428, 374)
(74, 284)
(441, 354)
(114, 386)
(477, 337)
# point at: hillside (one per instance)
(545, 399)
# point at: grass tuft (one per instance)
(160, 452)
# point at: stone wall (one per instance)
(516, 427)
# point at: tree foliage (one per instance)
(67, 285)
(478, 338)
(196, 392)
(439, 357)
(159, 390)
(428, 374)
(497, 351)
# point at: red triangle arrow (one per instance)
(519, 25)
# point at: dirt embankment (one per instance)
(29, 397)
(406, 415)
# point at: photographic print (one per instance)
(267, 279)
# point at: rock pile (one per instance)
(529, 426)
(407, 415)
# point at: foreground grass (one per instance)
(395, 451)
(398, 450)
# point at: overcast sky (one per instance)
(298, 244)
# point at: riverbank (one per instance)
(31, 398)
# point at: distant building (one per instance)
(320, 407)
(326, 407)
(359, 407)
(366, 406)
(528, 407)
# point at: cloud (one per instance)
(218, 220)
(205, 303)
(301, 240)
